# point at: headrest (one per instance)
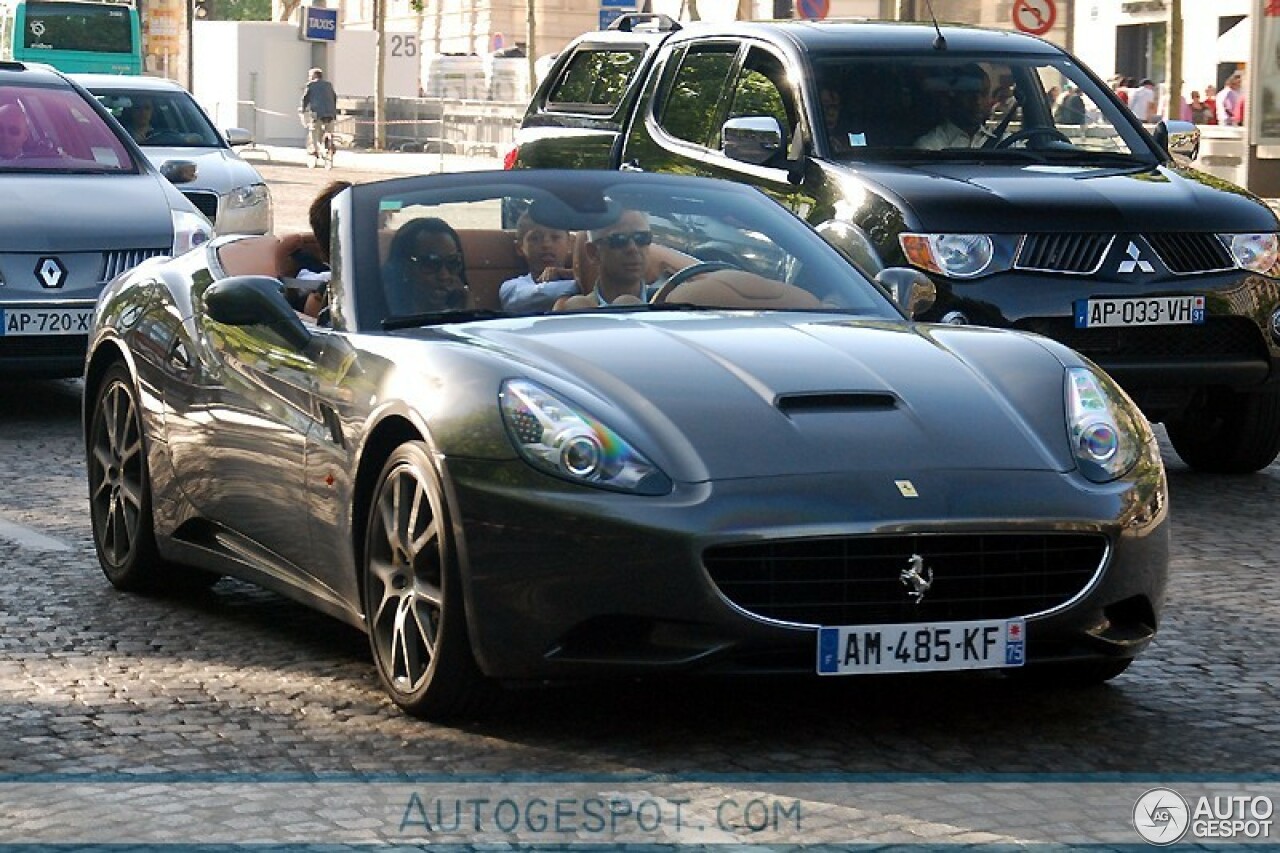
(961, 78)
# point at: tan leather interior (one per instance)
(739, 289)
(266, 255)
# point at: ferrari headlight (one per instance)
(1107, 433)
(1254, 252)
(958, 255)
(189, 230)
(559, 438)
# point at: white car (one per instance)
(226, 188)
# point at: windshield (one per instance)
(161, 119)
(547, 242)
(94, 27)
(56, 130)
(954, 107)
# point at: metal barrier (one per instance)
(444, 125)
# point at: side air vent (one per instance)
(793, 404)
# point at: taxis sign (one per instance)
(319, 24)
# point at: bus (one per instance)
(73, 35)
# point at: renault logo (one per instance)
(1135, 262)
(51, 272)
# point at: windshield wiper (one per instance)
(435, 318)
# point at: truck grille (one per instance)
(1070, 253)
(1230, 338)
(1083, 254)
(855, 580)
(205, 202)
(1191, 253)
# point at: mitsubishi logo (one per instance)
(51, 272)
(917, 578)
(1135, 261)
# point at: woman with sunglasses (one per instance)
(425, 271)
(621, 252)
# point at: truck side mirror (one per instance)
(752, 139)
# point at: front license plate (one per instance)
(1150, 311)
(45, 321)
(921, 647)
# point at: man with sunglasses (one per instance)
(14, 131)
(621, 252)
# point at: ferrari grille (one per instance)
(122, 260)
(856, 580)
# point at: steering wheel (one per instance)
(680, 276)
(1030, 133)
(166, 137)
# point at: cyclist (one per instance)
(319, 109)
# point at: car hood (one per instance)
(969, 197)
(722, 396)
(217, 169)
(71, 213)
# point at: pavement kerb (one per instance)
(396, 162)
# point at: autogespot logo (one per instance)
(1161, 816)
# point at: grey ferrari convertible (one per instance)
(562, 425)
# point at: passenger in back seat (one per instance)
(544, 249)
(425, 271)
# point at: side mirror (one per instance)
(256, 300)
(914, 291)
(751, 139)
(178, 171)
(1178, 138)
(237, 136)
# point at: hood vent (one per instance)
(837, 401)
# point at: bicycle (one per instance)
(328, 145)
(321, 141)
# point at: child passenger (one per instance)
(544, 250)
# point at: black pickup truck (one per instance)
(993, 161)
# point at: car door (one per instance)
(239, 433)
(679, 127)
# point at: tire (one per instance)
(414, 609)
(120, 496)
(1229, 432)
(1082, 673)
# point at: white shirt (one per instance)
(1227, 100)
(949, 135)
(522, 293)
(1142, 101)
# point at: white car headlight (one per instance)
(250, 196)
(189, 230)
(1107, 432)
(958, 255)
(560, 439)
(1254, 252)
